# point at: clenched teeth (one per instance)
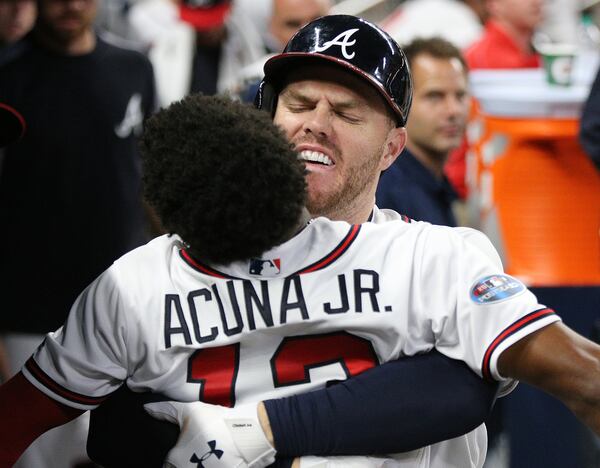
(315, 156)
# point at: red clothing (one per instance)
(25, 414)
(494, 49)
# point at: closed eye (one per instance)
(350, 118)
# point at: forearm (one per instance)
(563, 364)
(26, 413)
(263, 418)
(407, 404)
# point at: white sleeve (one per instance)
(82, 362)
(476, 310)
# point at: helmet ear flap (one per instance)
(266, 97)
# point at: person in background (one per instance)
(70, 189)
(505, 43)
(507, 38)
(415, 184)
(16, 20)
(454, 20)
(194, 46)
(287, 17)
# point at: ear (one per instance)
(393, 146)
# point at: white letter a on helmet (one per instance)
(343, 40)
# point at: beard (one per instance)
(65, 36)
(338, 196)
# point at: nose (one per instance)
(457, 105)
(318, 121)
(76, 5)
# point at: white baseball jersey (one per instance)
(330, 303)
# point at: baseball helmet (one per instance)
(351, 43)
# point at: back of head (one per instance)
(354, 45)
(221, 175)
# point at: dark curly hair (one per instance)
(221, 175)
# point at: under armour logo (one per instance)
(132, 122)
(213, 451)
(343, 40)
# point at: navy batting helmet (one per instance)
(351, 43)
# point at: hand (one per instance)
(214, 436)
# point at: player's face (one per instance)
(67, 20)
(440, 106)
(16, 19)
(342, 130)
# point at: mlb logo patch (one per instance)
(496, 288)
(262, 267)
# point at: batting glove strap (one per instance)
(248, 435)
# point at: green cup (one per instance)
(558, 63)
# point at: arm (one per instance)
(26, 413)
(562, 363)
(408, 403)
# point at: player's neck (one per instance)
(357, 211)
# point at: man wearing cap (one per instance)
(195, 45)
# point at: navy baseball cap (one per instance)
(12, 125)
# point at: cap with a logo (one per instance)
(12, 125)
(351, 43)
(204, 14)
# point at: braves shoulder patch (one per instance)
(496, 288)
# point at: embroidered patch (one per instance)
(496, 288)
(262, 267)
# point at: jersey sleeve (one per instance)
(476, 310)
(85, 360)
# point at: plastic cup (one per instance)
(558, 63)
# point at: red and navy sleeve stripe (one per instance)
(44, 379)
(336, 253)
(509, 331)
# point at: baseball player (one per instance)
(184, 316)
